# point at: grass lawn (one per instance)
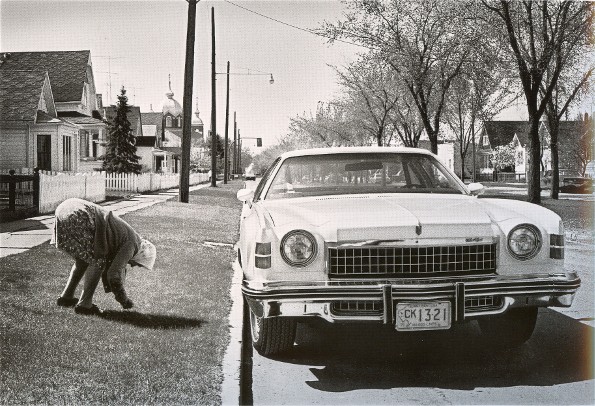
(166, 350)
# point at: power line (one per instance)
(296, 27)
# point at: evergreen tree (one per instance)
(120, 156)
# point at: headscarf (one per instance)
(146, 255)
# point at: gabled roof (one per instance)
(152, 119)
(20, 92)
(133, 115)
(67, 70)
(502, 132)
(43, 117)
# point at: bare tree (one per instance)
(368, 85)
(481, 92)
(536, 33)
(572, 85)
(331, 125)
(425, 42)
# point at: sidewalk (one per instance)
(21, 235)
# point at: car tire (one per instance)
(510, 329)
(272, 336)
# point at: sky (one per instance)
(138, 44)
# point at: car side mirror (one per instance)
(475, 189)
(245, 195)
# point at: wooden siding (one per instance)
(13, 148)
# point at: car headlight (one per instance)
(524, 241)
(298, 248)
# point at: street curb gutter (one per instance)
(232, 360)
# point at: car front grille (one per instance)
(375, 307)
(483, 303)
(411, 261)
(357, 307)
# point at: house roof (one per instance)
(145, 141)
(173, 150)
(83, 120)
(133, 115)
(155, 119)
(502, 132)
(152, 118)
(43, 117)
(20, 92)
(67, 70)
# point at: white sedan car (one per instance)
(390, 235)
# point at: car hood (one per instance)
(403, 216)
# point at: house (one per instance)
(30, 130)
(65, 131)
(516, 135)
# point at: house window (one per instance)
(95, 145)
(84, 143)
(66, 153)
(485, 141)
(168, 121)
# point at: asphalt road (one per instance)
(374, 365)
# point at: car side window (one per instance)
(264, 180)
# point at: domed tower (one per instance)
(172, 111)
(197, 126)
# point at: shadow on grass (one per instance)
(154, 321)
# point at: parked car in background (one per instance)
(250, 175)
(546, 178)
(321, 238)
(577, 184)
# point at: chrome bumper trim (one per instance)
(313, 299)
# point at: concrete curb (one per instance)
(232, 360)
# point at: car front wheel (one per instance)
(271, 336)
(510, 329)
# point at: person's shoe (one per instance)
(88, 311)
(67, 301)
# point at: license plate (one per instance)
(423, 316)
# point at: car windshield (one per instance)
(356, 173)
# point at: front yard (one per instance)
(167, 350)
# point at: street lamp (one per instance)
(237, 145)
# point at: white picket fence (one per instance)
(54, 189)
(146, 182)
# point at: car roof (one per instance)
(351, 150)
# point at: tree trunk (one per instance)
(554, 126)
(533, 175)
(433, 136)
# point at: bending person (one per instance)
(103, 246)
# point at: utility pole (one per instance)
(235, 144)
(225, 149)
(213, 106)
(184, 190)
(240, 171)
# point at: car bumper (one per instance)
(470, 297)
